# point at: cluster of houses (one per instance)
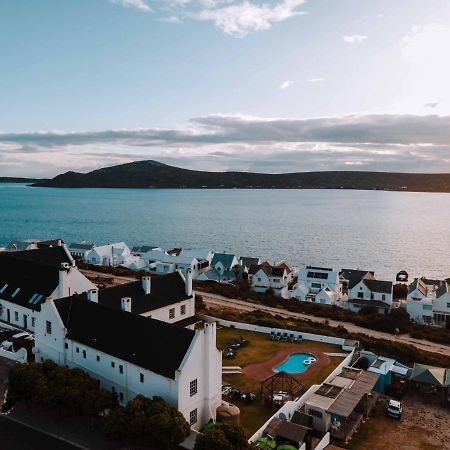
(428, 301)
(134, 338)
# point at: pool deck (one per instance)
(263, 370)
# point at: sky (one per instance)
(252, 85)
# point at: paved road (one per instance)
(17, 436)
(248, 306)
(242, 305)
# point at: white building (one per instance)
(265, 276)
(81, 250)
(368, 292)
(169, 298)
(428, 301)
(130, 354)
(108, 255)
(223, 269)
(317, 285)
(18, 246)
(28, 278)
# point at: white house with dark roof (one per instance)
(28, 278)
(130, 354)
(80, 250)
(265, 276)
(108, 255)
(18, 246)
(428, 301)
(317, 285)
(368, 292)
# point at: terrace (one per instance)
(257, 359)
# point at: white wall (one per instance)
(163, 313)
(21, 312)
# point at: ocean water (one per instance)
(373, 230)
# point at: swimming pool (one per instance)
(295, 363)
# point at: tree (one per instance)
(153, 421)
(223, 437)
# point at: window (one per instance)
(383, 297)
(193, 387)
(276, 280)
(33, 322)
(141, 377)
(360, 294)
(16, 316)
(113, 364)
(84, 354)
(48, 326)
(316, 285)
(259, 279)
(427, 307)
(183, 310)
(113, 390)
(66, 346)
(448, 305)
(120, 368)
(77, 349)
(98, 358)
(193, 417)
(121, 397)
(313, 412)
(171, 313)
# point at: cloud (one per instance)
(431, 104)
(138, 4)
(286, 84)
(223, 142)
(240, 19)
(315, 80)
(354, 38)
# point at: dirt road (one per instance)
(242, 305)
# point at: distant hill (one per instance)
(152, 174)
(19, 180)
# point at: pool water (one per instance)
(295, 363)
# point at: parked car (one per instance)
(8, 344)
(394, 409)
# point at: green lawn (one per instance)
(261, 348)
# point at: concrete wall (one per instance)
(20, 356)
(268, 330)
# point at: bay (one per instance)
(373, 230)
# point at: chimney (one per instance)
(188, 282)
(125, 304)
(146, 284)
(92, 295)
(63, 279)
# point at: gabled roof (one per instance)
(105, 250)
(429, 374)
(442, 289)
(82, 245)
(270, 271)
(225, 258)
(248, 261)
(21, 245)
(28, 277)
(50, 243)
(148, 343)
(142, 248)
(355, 276)
(383, 287)
(165, 290)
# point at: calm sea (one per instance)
(374, 230)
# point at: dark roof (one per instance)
(271, 271)
(292, 432)
(225, 258)
(82, 245)
(50, 243)
(442, 289)
(383, 287)
(142, 248)
(174, 251)
(35, 272)
(248, 261)
(188, 321)
(165, 290)
(375, 303)
(355, 276)
(319, 268)
(417, 284)
(149, 343)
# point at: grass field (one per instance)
(259, 349)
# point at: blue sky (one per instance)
(267, 85)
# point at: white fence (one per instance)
(19, 356)
(268, 330)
